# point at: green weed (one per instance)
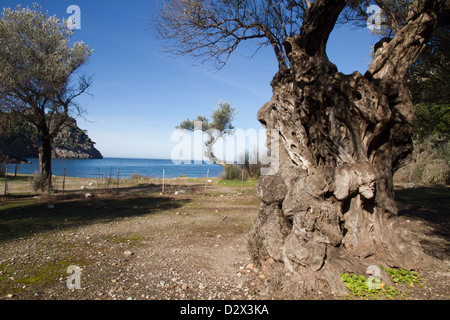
(358, 284)
(401, 276)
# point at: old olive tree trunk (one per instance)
(330, 207)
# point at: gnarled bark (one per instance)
(330, 207)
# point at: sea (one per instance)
(124, 168)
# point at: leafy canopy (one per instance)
(37, 62)
(221, 120)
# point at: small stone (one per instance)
(264, 292)
(128, 253)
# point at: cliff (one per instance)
(21, 141)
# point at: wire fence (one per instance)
(13, 183)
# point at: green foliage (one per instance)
(432, 165)
(223, 117)
(357, 284)
(429, 77)
(232, 172)
(38, 182)
(429, 83)
(401, 276)
(220, 124)
(221, 120)
(35, 54)
(37, 62)
(202, 123)
(431, 119)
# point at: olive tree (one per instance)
(330, 208)
(221, 123)
(37, 64)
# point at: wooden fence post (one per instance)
(206, 181)
(118, 178)
(64, 181)
(164, 174)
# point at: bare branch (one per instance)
(318, 24)
(308, 4)
(395, 57)
(212, 30)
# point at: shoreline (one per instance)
(101, 168)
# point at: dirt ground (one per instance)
(138, 244)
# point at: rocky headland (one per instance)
(21, 142)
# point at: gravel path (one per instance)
(196, 251)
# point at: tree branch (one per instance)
(394, 58)
(213, 30)
(318, 24)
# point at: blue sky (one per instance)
(140, 93)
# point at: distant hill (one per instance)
(21, 141)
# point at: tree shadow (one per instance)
(168, 188)
(431, 206)
(12, 178)
(24, 217)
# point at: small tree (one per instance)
(36, 68)
(219, 125)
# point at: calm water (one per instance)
(100, 168)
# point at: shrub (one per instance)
(251, 164)
(37, 182)
(431, 163)
(136, 176)
(434, 172)
(232, 172)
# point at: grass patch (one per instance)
(237, 183)
(33, 276)
(49, 273)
